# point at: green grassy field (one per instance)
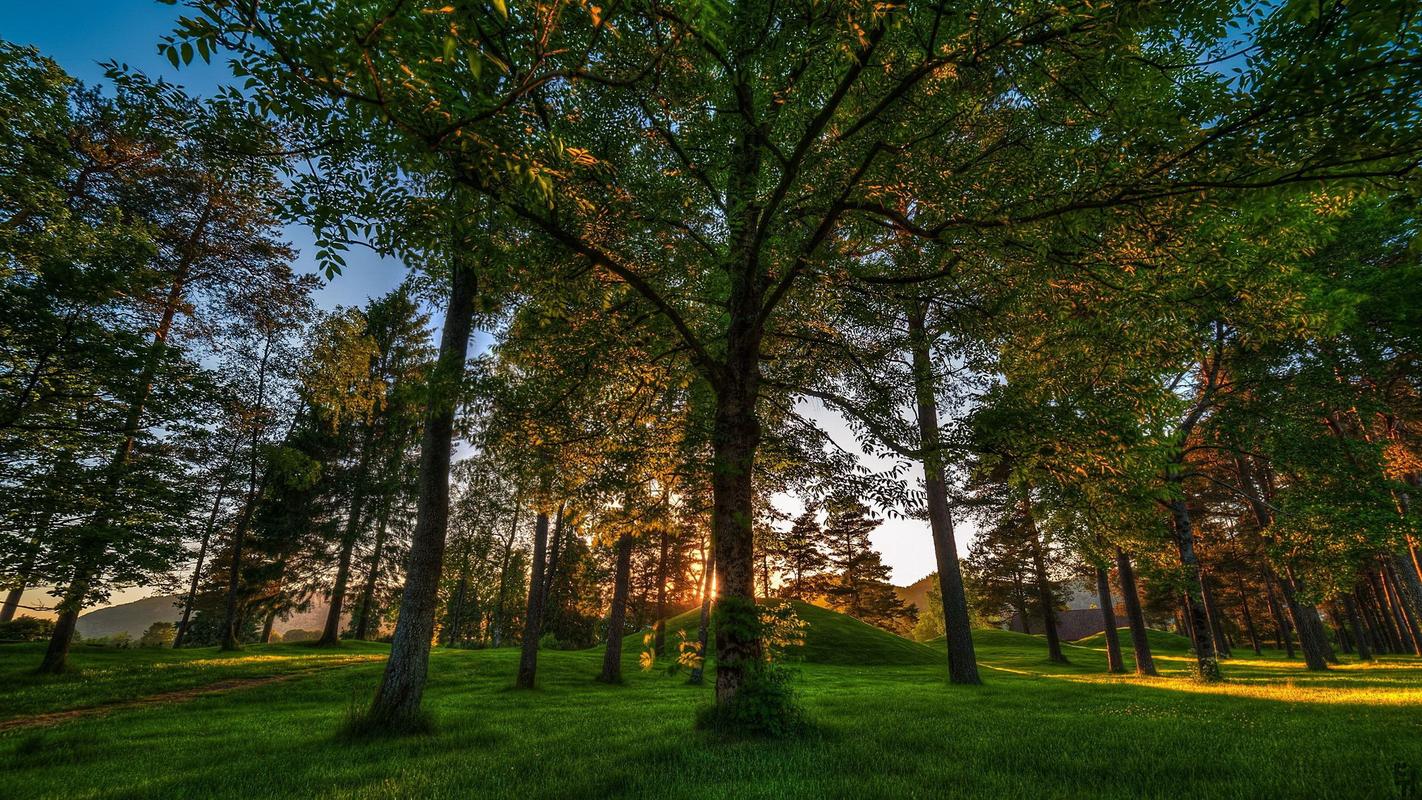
(893, 728)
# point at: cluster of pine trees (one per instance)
(1131, 285)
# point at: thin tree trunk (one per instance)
(331, 635)
(1286, 639)
(1405, 600)
(1248, 619)
(533, 615)
(372, 577)
(617, 615)
(1399, 610)
(501, 610)
(26, 570)
(1114, 663)
(268, 626)
(1360, 636)
(957, 631)
(660, 637)
(1044, 588)
(703, 629)
(397, 701)
(1212, 613)
(231, 624)
(207, 531)
(1135, 617)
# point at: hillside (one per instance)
(916, 593)
(134, 618)
(1160, 641)
(830, 638)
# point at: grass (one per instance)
(1034, 730)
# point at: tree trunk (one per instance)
(1114, 663)
(1406, 599)
(1360, 636)
(397, 701)
(268, 626)
(533, 615)
(703, 629)
(1285, 637)
(1207, 663)
(93, 544)
(660, 639)
(1044, 588)
(1248, 619)
(372, 577)
(617, 616)
(1212, 613)
(331, 635)
(231, 622)
(207, 530)
(501, 610)
(26, 570)
(550, 573)
(1135, 617)
(957, 631)
(735, 438)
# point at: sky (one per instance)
(80, 34)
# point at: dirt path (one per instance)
(176, 696)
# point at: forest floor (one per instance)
(1033, 730)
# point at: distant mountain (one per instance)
(131, 618)
(916, 593)
(134, 618)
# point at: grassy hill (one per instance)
(1160, 641)
(830, 638)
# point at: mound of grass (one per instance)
(1160, 641)
(830, 638)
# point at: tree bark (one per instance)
(660, 637)
(1212, 613)
(1114, 662)
(1406, 599)
(957, 631)
(1285, 638)
(533, 614)
(1135, 617)
(367, 593)
(1248, 619)
(703, 629)
(1044, 588)
(331, 635)
(501, 610)
(207, 531)
(1360, 636)
(231, 623)
(26, 570)
(735, 438)
(617, 615)
(397, 701)
(1207, 662)
(93, 545)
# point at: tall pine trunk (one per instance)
(1285, 636)
(397, 702)
(703, 629)
(617, 615)
(957, 632)
(231, 626)
(1206, 661)
(533, 613)
(207, 530)
(1135, 616)
(1114, 663)
(1248, 618)
(500, 609)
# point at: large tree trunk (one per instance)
(735, 439)
(957, 632)
(617, 616)
(1406, 599)
(1114, 663)
(1207, 663)
(1044, 587)
(397, 701)
(331, 635)
(372, 577)
(1135, 617)
(533, 614)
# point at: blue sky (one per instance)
(80, 34)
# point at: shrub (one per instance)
(26, 629)
(159, 634)
(299, 635)
(766, 704)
